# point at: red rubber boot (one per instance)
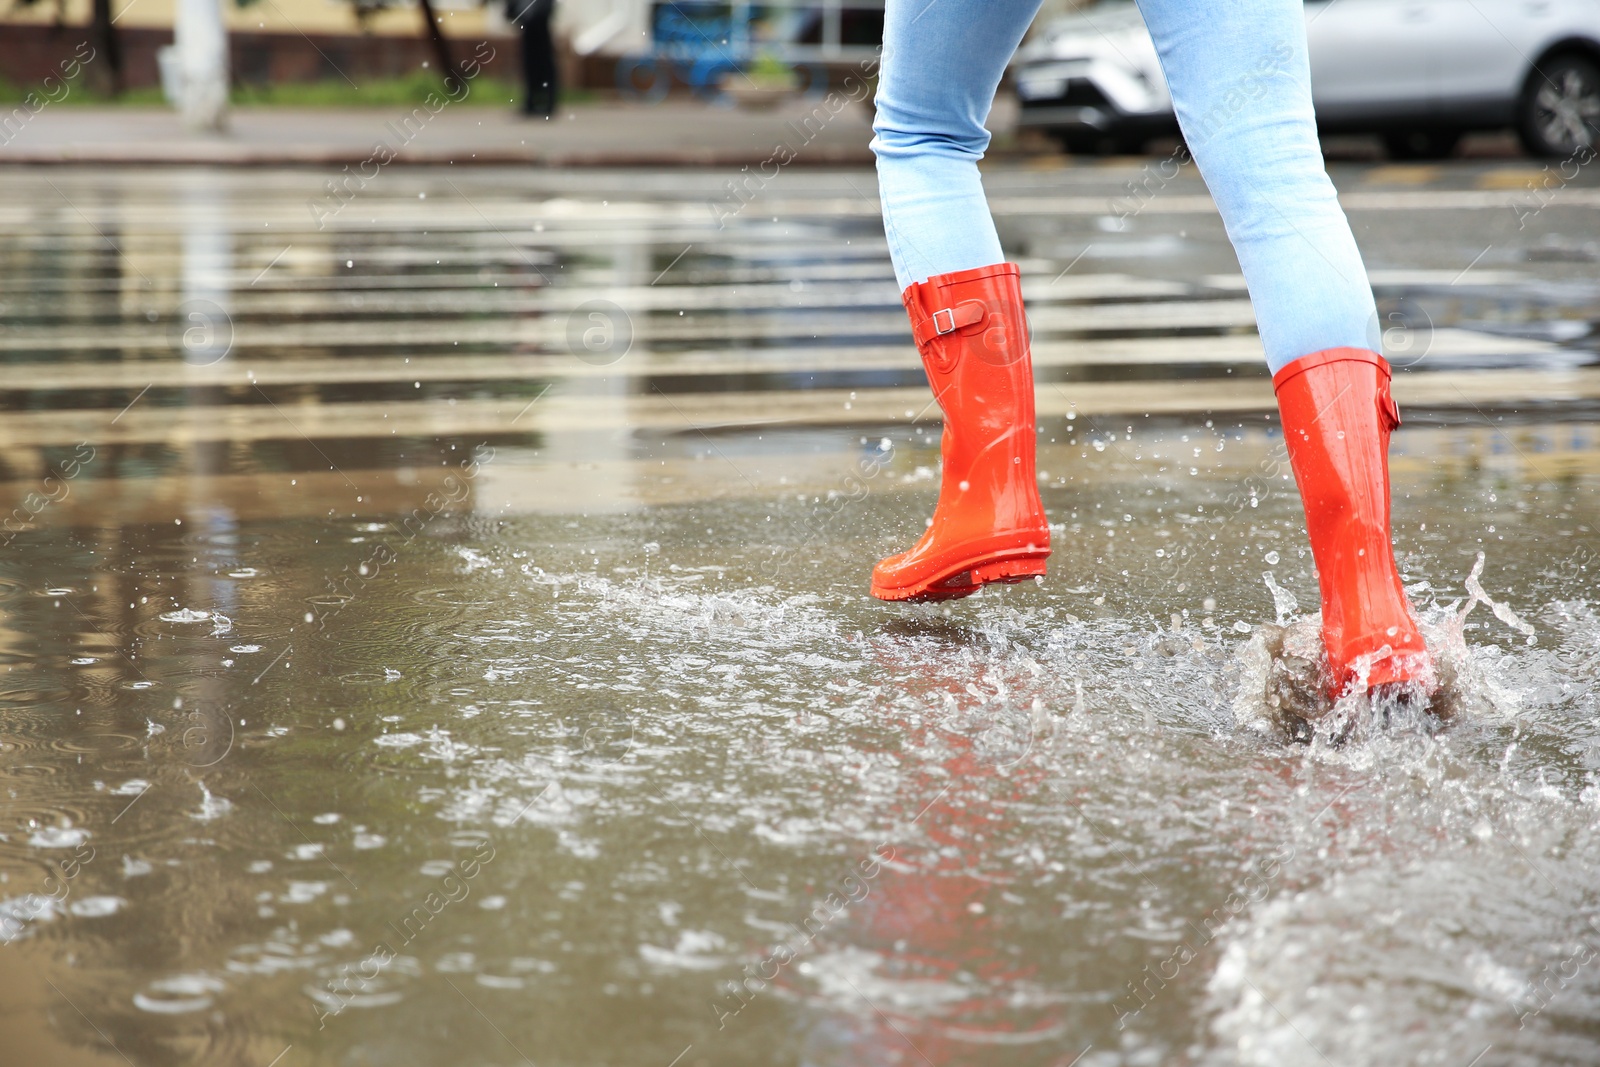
(1337, 417)
(989, 525)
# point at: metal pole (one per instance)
(202, 46)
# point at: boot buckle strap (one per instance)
(966, 313)
(949, 320)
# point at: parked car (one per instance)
(1419, 73)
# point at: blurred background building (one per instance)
(277, 41)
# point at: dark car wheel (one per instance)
(1079, 144)
(1421, 144)
(1559, 110)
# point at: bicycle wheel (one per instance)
(705, 79)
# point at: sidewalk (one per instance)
(671, 133)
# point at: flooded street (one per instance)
(434, 631)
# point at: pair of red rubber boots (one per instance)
(990, 526)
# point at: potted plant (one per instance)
(767, 82)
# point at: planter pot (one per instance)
(759, 94)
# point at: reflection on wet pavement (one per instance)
(443, 638)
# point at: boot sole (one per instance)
(1407, 670)
(968, 577)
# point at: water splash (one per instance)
(1501, 611)
(211, 806)
(185, 615)
(1284, 603)
(1281, 671)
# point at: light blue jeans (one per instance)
(1241, 87)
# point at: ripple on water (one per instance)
(329, 603)
(190, 628)
(58, 837)
(96, 907)
(234, 542)
(416, 644)
(179, 994)
(9, 751)
(382, 676)
(400, 739)
(27, 694)
(337, 993)
(460, 597)
(97, 744)
(38, 828)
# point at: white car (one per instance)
(1419, 73)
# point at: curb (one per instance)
(338, 157)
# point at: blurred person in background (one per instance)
(1241, 86)
(540, 84)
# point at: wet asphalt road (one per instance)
(494, 544)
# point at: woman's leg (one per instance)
(1241, 87)
(942, 60)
